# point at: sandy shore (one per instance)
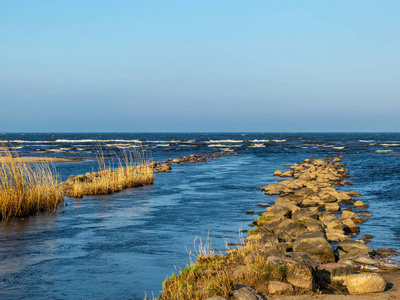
(42, 159)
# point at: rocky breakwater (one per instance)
(299, 245)
(165, 166)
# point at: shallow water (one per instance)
(124, 245)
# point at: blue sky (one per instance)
(199, 65)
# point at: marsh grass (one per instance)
(127, 170)
(25, 189)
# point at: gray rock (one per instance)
(289, 230)
(347, 245)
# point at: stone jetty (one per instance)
(299, 245)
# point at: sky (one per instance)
(209, 65)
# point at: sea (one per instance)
(124, 245)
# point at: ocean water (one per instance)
(124, 245)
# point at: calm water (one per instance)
(124, 245)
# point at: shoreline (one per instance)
(300, 248)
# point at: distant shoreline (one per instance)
(36, 160)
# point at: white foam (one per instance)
(338, 147)
(383, 151)
(278, 141)
(390, 145)
(224, 141)
(259, 141)
(257, 146)
(365, 141)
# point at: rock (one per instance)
(311, 201)
(314, 226)
(336, 237)
(278, 173)
(281, 201)
(353, 252)
(250, 212)
(328, 198)
(347, 245)
(277, 211)
(334, 226)
(279, 288)
(287, 174)
(298, 274)
(289, 230)
(315, 245)
(295, 200)
(366, 214)
(343, 197)
(304, 215)
(345, 182)
(365, 260)
(304, 258)
(360, 205)
(384, 251)
(244, 292)
(332, 207)
(216, 298)
(350, 215)
(353, 194)
(349, 226)
(365, 283)
(334, 273)
(305, 192)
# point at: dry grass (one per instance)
(132, 170)
(213, 275)
(25, 189)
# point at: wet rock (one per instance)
(365, 283)
(244, 292)
(315, 245)
(279, 288)
(366, 214)
(360, 205)
(298, 274)
(249, 212)
(334, 273)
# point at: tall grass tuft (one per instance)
(25, 189)
(130, 169)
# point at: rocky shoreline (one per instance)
(299, 245)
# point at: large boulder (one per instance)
(297, 273)
(360, 205)
(365, 283)
(316, 246)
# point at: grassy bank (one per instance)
(25, 189)
(131, 169)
